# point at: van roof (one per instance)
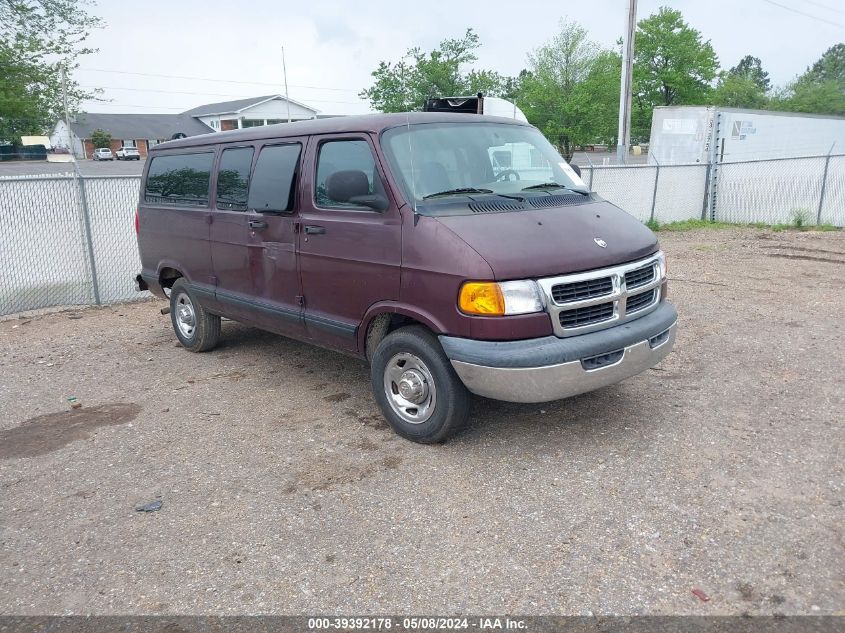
(374, 123)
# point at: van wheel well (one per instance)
(382, 325)
(168, 276)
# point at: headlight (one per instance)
(661, 264)
(488, 298)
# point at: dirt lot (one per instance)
(284, 492)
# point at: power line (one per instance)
(135, 105)
(806, 15)
(206, 94)
(224, 81)
(825, 6)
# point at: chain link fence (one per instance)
(648, 192)
(70, 240)
(805, 191)
(66, 240)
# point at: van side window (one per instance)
(180, 179)
(233, 178)
(274, 180)
(345, 169)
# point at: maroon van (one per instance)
(457, 253)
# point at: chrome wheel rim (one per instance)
(409, 387)
(186, 319)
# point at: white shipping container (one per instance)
(699, 134)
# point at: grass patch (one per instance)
(798, 224)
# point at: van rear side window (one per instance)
(180, 179)
(233, 178)
(272, 186)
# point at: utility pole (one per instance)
(67, 116)
(83, 196)
(624, 137)
(285, 71)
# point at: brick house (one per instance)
(143, 131)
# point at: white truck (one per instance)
(508, 158)
(478, 104)
(701, 134)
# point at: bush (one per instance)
(100, 138)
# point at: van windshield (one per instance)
(445, 160)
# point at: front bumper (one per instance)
(551, 368)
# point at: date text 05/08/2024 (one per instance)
(416, 623)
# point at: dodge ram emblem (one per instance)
(600, 242)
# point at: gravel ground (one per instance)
(283, 490)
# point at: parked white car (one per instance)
(103, 153)
(127, 153)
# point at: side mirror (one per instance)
(375, 201)
(576, 169)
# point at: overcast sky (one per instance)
(332, 45)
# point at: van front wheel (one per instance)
(196, 329)
(416, 388)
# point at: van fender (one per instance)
(395, 307)
(171, 263)
(203, 290)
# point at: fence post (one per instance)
(706, 193)
(824, 185)
(713, 166)
(592, 171)
(654, 195)
(86, 218)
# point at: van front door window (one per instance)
(345, 169)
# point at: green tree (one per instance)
(739, 91)
(673, 65)
(826, 97)
(821, 89)
(100, 138)
(37, 38)
(405, 85)
(595, 104)
(553, 92)
(829, 67)
(751, 68)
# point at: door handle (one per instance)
(257, 224)
(312, 229)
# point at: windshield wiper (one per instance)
(555, 185)
(460, 190)
(471, 190)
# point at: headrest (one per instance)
(346, 184)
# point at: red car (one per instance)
(457, 253)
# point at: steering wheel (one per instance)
(505, 176)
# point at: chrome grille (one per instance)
(640, 301)
(567, 293)
(586, 315)
(598, 299)
(639, 277)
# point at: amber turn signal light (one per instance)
(483, 298)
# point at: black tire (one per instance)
(450, 408)
(205, 333)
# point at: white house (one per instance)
(143, 131)
(267, 110)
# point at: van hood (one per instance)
(547, 242)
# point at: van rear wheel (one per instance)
(196, 329)
(419, 393)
